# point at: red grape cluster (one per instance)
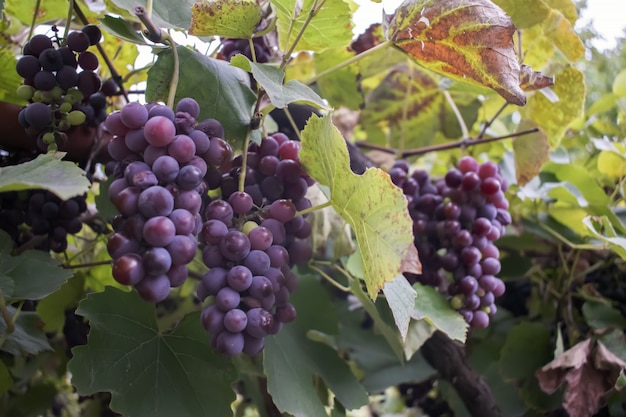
(162, 157)
(456, 222)
(49, 218)
(252, 239)
(59, 95)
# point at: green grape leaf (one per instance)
(47, 172)
(123, 29)
(174, 373)
(375, 360)
(561, 33)
(410, 103)
(6, 380)
(165, 13)
(228, 18)
(331, 27)
(469, 41)
(225, 94)
(10, 80)
(602, 228)
(602, 316)
(373, 206)
(52, 308)
(530, 152)
(31, 275)
(401, 299)
(555, 117)
(612, 164)
(291, 359)
(527, 348)
(436, 310)
(341, 87)
(27, 337)
(48, 11)
(526, 14)
(272, 78)
(619, 84)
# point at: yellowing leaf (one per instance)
(561, 32)
(556, 117)
(470, 41)
(229, 18)
(374, 207)
(525, 13)
(331, 27)
(530, 152)
(611, 164)
(567, 7)
(619, 84)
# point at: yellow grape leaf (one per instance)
(530, 152)
(525, 14)
(567, 7)
(561, 32)
(612, 164)
(619, 84)
(469, 41)
(556, 116)
(229, 18)
(373, 206)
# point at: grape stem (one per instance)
(155, 34)
(114, 74)
(314, 208)
(457, 113)
(463, 143)
(31, 31)
(68, 22)
(86, 265)
(10, 321)
(328, 278)
(349, 61)
(244, 161)
(315, 8)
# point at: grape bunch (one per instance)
(456, 221)
(234, 46)
(59, 95)
(49, 218)
(162, 157)
(251, 239)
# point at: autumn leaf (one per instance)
(469, 41)
(589, 369)
(229, 18)
(374, 207)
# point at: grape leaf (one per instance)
(52, 308)
(174, 373)
(410, 103)
(432, 307)
(602, 316)
(271, 79)
(49, 10)
(225, 94)
(526, 349)
(373, 206)
(6, 380)
(291, 359)
(31, 275)
(47, 172)
(401, 299)
(165, 13)
(531, 151)
(525, 14)
(27, 337)
(556, 117)
(123, 29)
(331, 27)
(469, 41)
(10, 80)
(228, 18)
(340, 87)
(562, 35)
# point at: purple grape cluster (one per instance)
(251, 239)
(456, 222)
(163, 157)
(48, 218)
(59, 95)
(234, 46)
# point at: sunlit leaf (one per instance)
(225, 94)
(228, 18)
(271, 79)
(619, 84)
(470, 41)
(126, 353)
(165, 13)
(531, 151)
(9, 80)
(555, 117)
(341, 87)
(48, 10)
(612, 164)
(436, 310)
(374, 207)
(525, 14)
(566, 7)
(561, 32)
(47, 172)
(330, 28)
